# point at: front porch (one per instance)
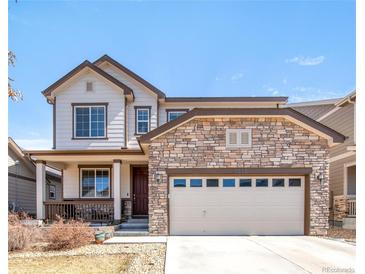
(344, 211)
(97, 188)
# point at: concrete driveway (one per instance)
(257, 254)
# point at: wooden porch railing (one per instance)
(88, 210)
(351, 207)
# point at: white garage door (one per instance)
(236, 206)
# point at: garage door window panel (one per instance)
(212, 182)
(245, 182)
(196, 182)
(262, 182)
(278, 182)
(295, 182)
(179, 182)
(229, 182)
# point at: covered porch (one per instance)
(97, 186)
(344, 206)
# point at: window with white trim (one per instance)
(173, 114)
(95, 182)
(52, 192)
(90, 121)
(142, 120)
(238, 137)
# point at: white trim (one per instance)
(345, 173)
(75, 124)
(314, 103)
(239, 138)
(237, 181)
(342, 156)
(328, 114)
(49, 192)
(95, 169)
(289, 118)
(137, 120)
(174, 111)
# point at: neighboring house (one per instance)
(22, 181)
(339, 114)
(189, 166)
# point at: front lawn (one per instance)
(113, 258)
(72, 264)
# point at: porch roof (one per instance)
(86, 156)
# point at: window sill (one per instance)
(238, 147)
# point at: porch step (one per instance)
(137, 221)
(133, 226)
(123, 233)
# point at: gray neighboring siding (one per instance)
(315, 111)
(342, 121)
(22, 193)
(337, 174)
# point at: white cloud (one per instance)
(285, 81)
(237, 76)
(34, 143)
(302, 94)
(273, 91)
(306, 61)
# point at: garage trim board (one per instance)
(229, 205)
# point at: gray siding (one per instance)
(337, 175)
(22, 193)
(342, 121)
(315, 111)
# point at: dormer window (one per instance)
(89, 86)
(143, 119)
(89, 121)
(238, 138)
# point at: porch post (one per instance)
(116, 191)
(40, 188)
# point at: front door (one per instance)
(140, 190)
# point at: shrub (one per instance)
(19, 235)
(67, 235)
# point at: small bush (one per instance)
(19, 235)
(67, 235)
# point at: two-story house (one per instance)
(190, 166)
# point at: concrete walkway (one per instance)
(257, 254)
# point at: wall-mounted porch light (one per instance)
(320, 177)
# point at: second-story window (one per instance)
(142, 120)
(173, 114)
(90, 121)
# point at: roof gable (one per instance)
(295, 116)
(86, 64)
(106, 58)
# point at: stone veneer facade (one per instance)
(201, 143)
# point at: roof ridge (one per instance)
(107, 58)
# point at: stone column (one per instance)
(116, 191)
(40, 188)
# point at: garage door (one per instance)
(236, 206)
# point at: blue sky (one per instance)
(301, 49)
